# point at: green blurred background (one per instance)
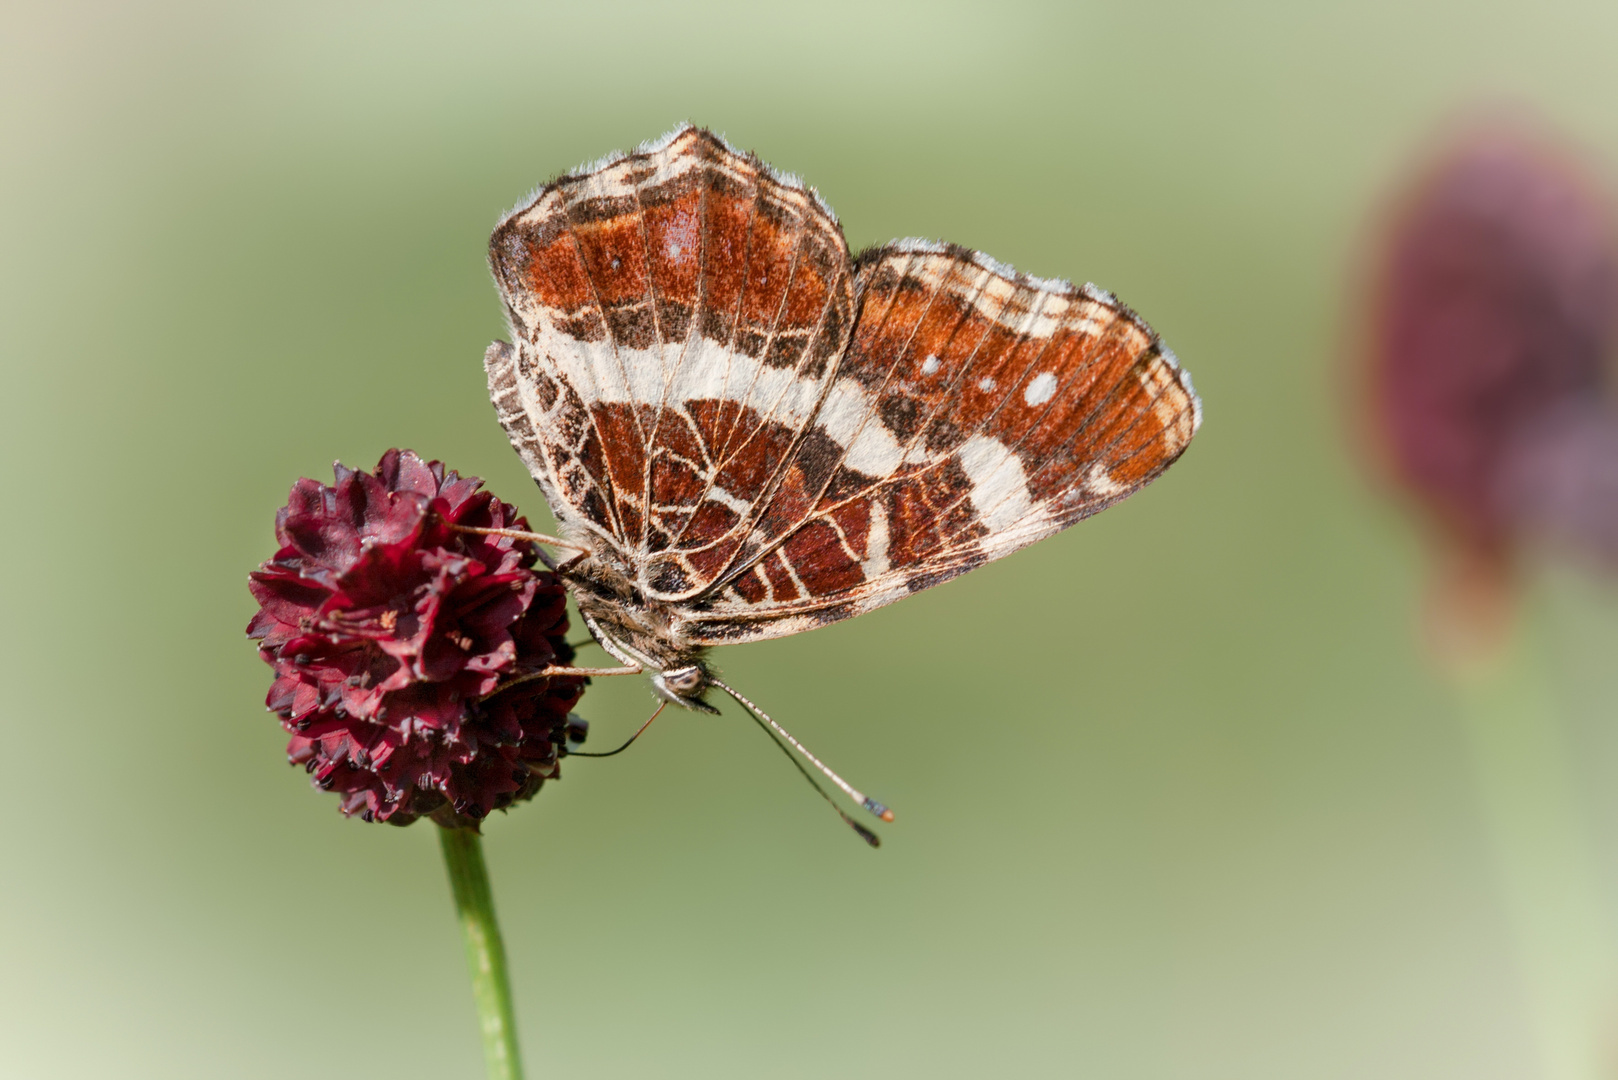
(1177, 795)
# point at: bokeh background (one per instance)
(1178, 795)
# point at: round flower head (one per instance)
(400, 645)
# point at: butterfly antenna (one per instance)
(632, 738)
(762, 718)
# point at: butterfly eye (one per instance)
(683, 680)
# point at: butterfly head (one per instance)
(685, 686)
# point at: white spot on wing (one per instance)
(1041, 389)
(729, 501)
(875, 562)
(849, 419)
(986, 384)
(929, 365)
(999, 485)
(1099, 482)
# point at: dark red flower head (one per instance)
(390, 633)
(1498, 311)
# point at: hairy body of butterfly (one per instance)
(747, 433)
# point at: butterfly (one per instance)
(745, 432)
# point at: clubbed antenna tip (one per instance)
(878, 809)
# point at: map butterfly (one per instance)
(744, 432)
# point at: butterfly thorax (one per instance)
(637, 630)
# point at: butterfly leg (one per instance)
(518, 534)
(548, 672)
(561, 672)
(638, 733)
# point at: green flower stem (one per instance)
(485, 952)
(1545, 858)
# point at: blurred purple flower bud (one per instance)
(1499, 302)
(1491, 345)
